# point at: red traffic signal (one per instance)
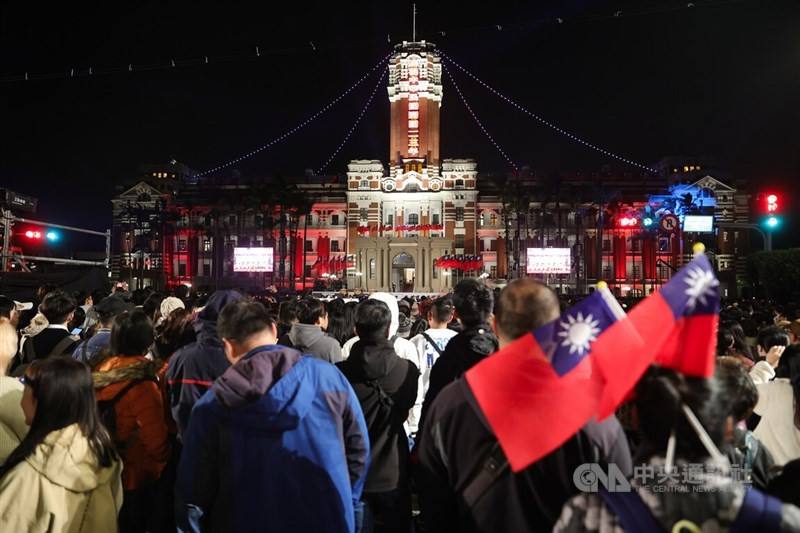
(772, 203)
(33, 234)
(628, 222)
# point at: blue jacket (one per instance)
(279, 443)
(193, 368)
(88, 350)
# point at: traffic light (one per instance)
(628, 222)
(38, 234)
(647, 222)
(771, 203)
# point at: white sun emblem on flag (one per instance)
(701, 286)
(579, 332)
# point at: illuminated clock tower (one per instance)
(415, 96)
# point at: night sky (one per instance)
(719, 79)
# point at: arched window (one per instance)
(413, 219)
(363, 184)
(371, 269)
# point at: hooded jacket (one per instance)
(193, 368)
(61, 487)
(141, 434)
(311, 340)
(462, 352)
(386, 386)
(279, 443)
(402, 346)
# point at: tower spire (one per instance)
(414, 22)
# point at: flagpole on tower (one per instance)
(414, 22)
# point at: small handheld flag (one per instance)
(679, 326)
(541, 389)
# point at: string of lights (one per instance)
(311, 47)
(298, 127)
(477, 120)
(355, 124)
(547, 123)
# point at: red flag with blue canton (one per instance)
(541, 389)
(678, 324)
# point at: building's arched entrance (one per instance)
(403, 273)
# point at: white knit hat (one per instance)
(169, 304)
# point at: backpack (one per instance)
(107, 408)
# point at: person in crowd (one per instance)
(403, 326)
(418, 321)
(11, 309)
(57, 308)
(91, 351)
(778, 427)
(75, 325)
(784, 485)
(744, 450)
(341, 322)
(173, 332)
(474, 304)
(768, 337)
(308, 333)
(287, 317)
(168, 305)
(128, 393)
(727, 347)
(430, 345)
(662, 502)
(12, 420)
(65, 476)
(152, 306)
(456, 445)
(386, 387)
(402, 346)
(279, 443)
(90, 324)
(193, 368)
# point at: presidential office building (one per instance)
(418, 222)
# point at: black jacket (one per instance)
(386, 387)
(455, 443)
(462, 352)
(193, 368)
(46, 341)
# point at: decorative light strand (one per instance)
(477, 120)
(299, 126)
(355, 124)
(549, 124)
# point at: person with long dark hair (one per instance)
(127, 386)
(65, 475)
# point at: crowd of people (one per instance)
(148, 411)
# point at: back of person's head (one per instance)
(182, 292)
(78, 317)
(787, 360)
(287, 312)
(772, 336)
(64, 393)
(524, 305)
(176, 329)
(98, 295)
(738, 387)
(373, 318)
(441, 310)
(8, 344)
(152, 304)
(7, 305)
(309, 310)
(57, 307)
(239, 321)
(725, 341)
(44, 290)
(660, 395)
(474, 302)
(131, 334)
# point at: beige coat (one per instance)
(61, 488)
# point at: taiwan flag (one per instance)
(541, 389)
(679, 327)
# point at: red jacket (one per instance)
(141, 432)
